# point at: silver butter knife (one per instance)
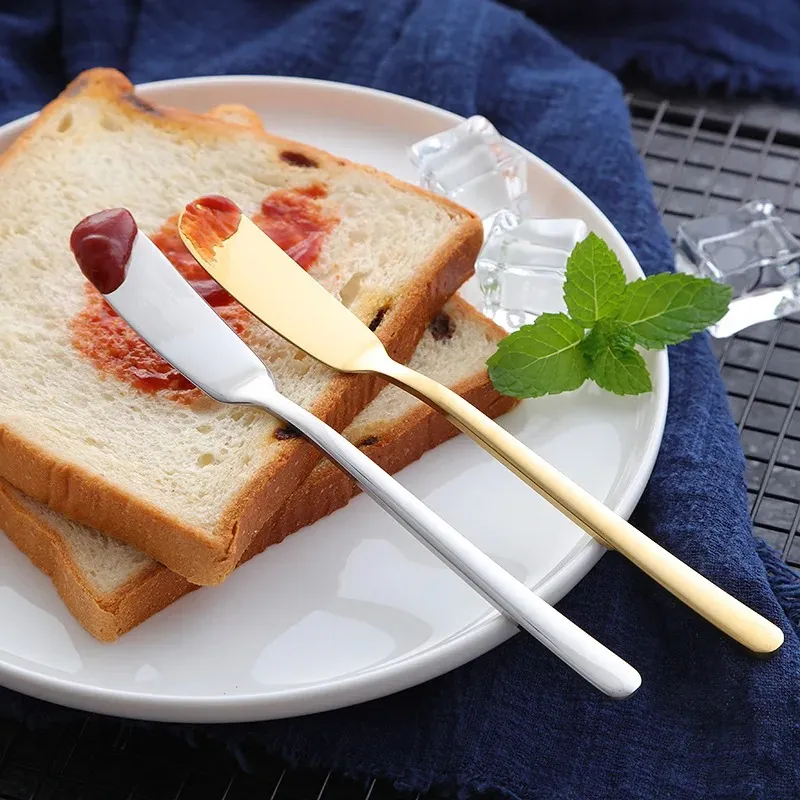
(142, 286)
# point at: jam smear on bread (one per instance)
(292, 218)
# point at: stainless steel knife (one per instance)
(177, 323)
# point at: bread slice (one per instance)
(188, 483)
(111, 587)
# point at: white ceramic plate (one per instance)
(351, 608)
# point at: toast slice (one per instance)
(111, 587)
(188, 481)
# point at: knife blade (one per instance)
(181, 327)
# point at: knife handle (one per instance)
(707, 599)
(590, 659)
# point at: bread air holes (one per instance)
(110, 123)
(301, 363)
(243, 416)
(65, 123)
(358, 236)
(351, 289)
(205, 459)
(19, 229)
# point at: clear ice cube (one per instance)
(751, 250)
(474, 166)
(521, 266)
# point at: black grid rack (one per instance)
(701, 160)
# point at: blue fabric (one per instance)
(710, 721)
(733, 46)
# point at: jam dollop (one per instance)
(294, 218)
(114, 347)
(102, 244)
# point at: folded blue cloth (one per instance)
(734, 46)
(710, 721)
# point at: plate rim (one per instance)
(471, 642)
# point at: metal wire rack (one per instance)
(700, 160)
(703, 162)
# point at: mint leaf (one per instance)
(539, 359)
(669, 308)
(620, 370)
(608, 333)
(594, 282)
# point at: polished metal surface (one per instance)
(163, 308)
(252, 268)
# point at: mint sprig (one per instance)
(608, 318)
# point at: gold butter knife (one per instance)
(275, 289)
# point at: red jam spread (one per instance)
(295, 223)
(291, 217)
(211, 220)
(102, 245)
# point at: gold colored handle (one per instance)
(707, 599)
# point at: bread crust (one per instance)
(88, 498)
(109, 616)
